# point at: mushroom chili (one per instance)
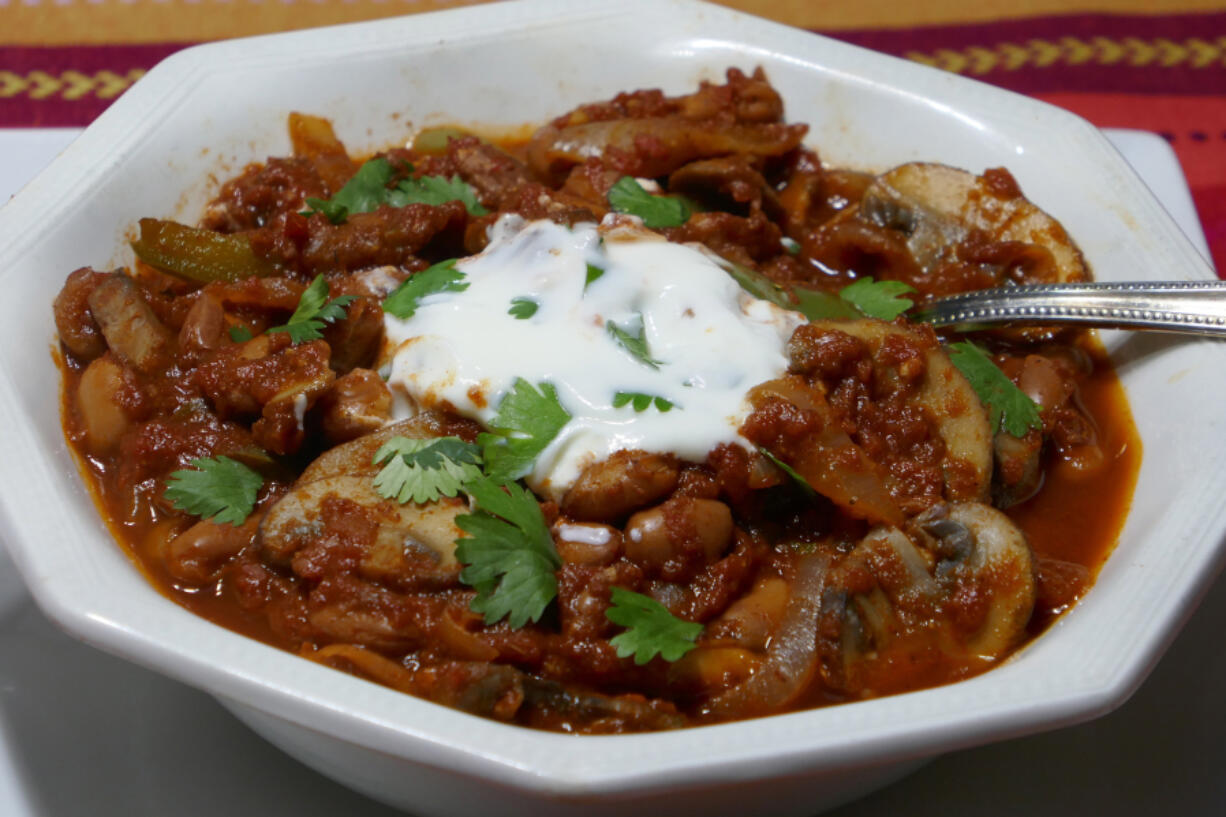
(623, 427)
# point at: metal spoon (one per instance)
(1187, 307)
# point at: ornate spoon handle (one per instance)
(1189, 307)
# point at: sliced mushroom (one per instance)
(937, 206)
(958, 586)
(407, 533)
(132, 331)
(961, 421)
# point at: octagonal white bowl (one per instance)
(206, 112)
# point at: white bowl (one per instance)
(207, 111)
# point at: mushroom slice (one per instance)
(977, 543)
(407, 532)
(961, 421)
(960, 584)
(938, 206)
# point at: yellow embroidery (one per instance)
(1131, 51)
(70, 85)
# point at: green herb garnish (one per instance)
(442, 277)
(364, 192)
(878, 299)
(508, 555)
(436, 190)
(239, 334)
(641, 402)
(1009, 408)
(368, 190)
(651, 629)
(314, 312)
(423, 470)
(218, 488)
(528, 419)
(593, 274)
(523, 308)
(633, 342)
(628, 196)
(789, 470)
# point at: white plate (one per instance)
(82, 731)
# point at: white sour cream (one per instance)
(710, 339)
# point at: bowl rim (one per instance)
(996, 705)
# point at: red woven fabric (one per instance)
(1165, 74)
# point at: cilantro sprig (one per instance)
(1009, 408)
(628, 196)
(878, 299)
(216, 488)
(441, 277)
(508, 555)
(861, 298)
(651, 629)
(364, 192)
(437, 190)
(368, 189)
(641, 402)
(314, 312)
(527, 420)
(634, 340)
(422, 470)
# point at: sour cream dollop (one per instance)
(707, 342)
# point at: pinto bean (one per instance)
(354, 405)
(751, 620)
(101, 403)
(197, 554)
(587, 543)
(626, 481)
(204, 326)
(678, 537)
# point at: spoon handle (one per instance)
(1188, 307)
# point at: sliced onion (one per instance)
(791, 658)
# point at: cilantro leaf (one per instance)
(651, 629)
(508, 555)
(220, 489)
(817, 305)
(641, 402)
(1009, 408)
(527, 421)
(593, 274)
(423, 470)
(361, 194)
(790, 245)
(314, 311)
(878, 299)
(523, 308)
(634, 343)
(436, 190)
(442, 277)
(628, 196)
(240, 334)
(789, 470)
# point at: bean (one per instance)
(195, 556)
(100, 404)
(679, 536)
(626, 481)
(587, 543)
(355, 405)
